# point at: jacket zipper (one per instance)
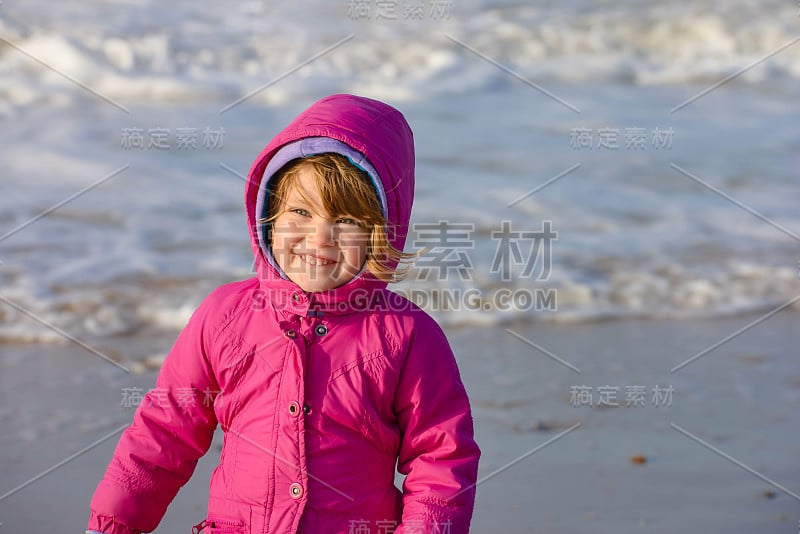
(198, 528)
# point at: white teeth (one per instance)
(313, 260)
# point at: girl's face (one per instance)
(315, 249)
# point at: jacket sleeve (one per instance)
(438, 453)
(172, 428)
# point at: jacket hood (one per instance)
(373, 136)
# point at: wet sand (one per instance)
(558, 455)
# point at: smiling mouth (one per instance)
(315, 260)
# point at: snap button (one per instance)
(294, 408)
(291, 334)
(321, 330)
(296, 490)
(296, 297)
(306, 408)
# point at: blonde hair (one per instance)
(345, 191)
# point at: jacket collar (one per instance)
(362, 293)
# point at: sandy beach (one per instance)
(553, 461)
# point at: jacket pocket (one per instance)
(372, 364)
(359, 396)
(219, 525)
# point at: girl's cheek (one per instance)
(287, 231)
(296, 229)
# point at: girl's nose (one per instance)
(322, 233)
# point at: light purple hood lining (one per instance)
(302, 148)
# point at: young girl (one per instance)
(322, 379)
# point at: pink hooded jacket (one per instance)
(320, 395)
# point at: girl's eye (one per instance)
(299, 211)
(346, 220)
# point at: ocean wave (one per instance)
(137, 307)
(398, 58)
